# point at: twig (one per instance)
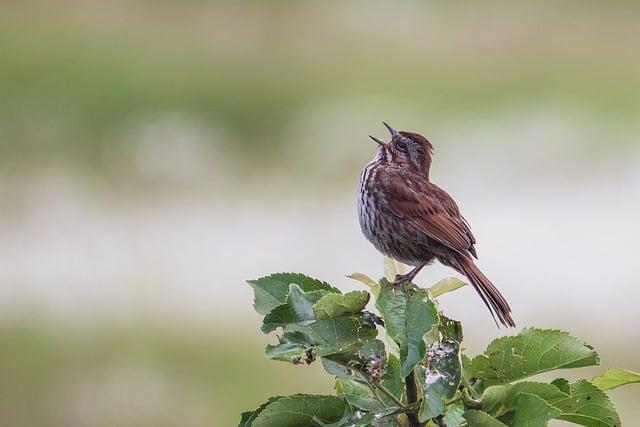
(389, 394)
(375, 394)
(374, 385)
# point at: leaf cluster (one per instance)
(420, 376)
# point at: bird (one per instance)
(410, 219)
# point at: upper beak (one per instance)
(392, 131)
(379, 141)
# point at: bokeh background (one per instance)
(154, 155)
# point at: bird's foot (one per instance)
(402, 278)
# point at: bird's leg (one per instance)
(402, 278)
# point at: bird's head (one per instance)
(406, 149)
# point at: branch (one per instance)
(412, 397)
(375, 385)
(389, 394)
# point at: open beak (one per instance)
(392, 131)
(379, 141)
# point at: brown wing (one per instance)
(432, 211)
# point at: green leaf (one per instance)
(393, 379)
(449, 284)
(271, 291)
(336, 305)
(408, 316)
(335, 336)
(615, 377)
(532, 411)
(338, 369)
(450, 329)
(298, 308)
(440, 379)
(247, 418)
(300, 410)
(372, 348)
(367, 281)
(587, 405)
(506, 396)
(285, 352)
(291, 348)
(531, 352)
(378, 419)
(476, 418)
(342, 335)
(562, 384)
(367, 364)
(467, 377)
(358, 395)
(453, 415)
(346, 420)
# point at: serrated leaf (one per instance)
(271, 291)
(298, 308)
(247, 418)
(532, 411)
(477, 418)
(358, 395)
(342, 335)
(440, 379)
(335, 336)
(300, 410)
(615, 377)
(367, 281)
(506, 396)
(336, 305)
(449, 284)
(587, 405)
(531, 352)
(408, 316)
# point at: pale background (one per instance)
(154, 155)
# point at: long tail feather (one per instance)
(491, 296)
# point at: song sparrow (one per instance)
(414, 221)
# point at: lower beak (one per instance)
(379, 141)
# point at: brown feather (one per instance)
(409, 218)
(432, 211)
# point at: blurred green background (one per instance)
(154, 155)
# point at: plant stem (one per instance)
(390, 395)
(375, 394)
(469, 387)
(412, 397)
(377, 385)
(453, 400)
(470, 401)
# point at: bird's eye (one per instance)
(401, 145)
